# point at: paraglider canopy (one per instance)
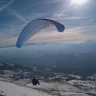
(35, 26)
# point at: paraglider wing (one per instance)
(34, 26)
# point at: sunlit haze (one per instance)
(78, 1)
(78, 17)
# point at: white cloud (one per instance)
(6, 5)
(17, 15)
(70, 34)
(36, 15)
(8, 41)
(49, 1)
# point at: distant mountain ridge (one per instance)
(72, 55)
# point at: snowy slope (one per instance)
(44, 89)
(59, 89)
(89, 86)
(10, 89)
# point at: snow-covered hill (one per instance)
(45, 89)
(10, 89)
(89, 86)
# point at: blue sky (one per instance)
(79, 20)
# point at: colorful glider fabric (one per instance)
(35, 26)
